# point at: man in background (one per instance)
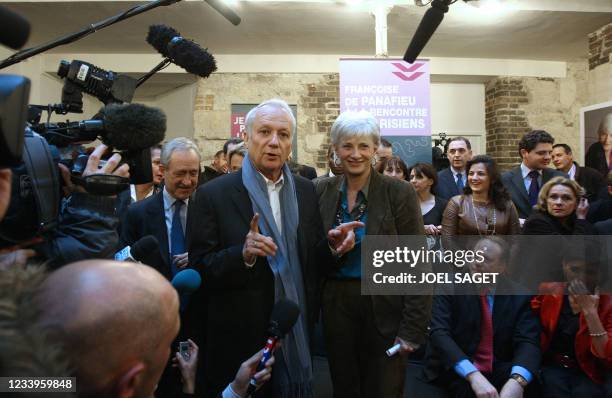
(453, 179)
(384, 152)
(590, 179)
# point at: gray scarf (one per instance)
(293, 370)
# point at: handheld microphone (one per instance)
(183, 52)
(430, 22)
(14, 29)
(139, 251)
(393, 350)
(284, 315)
(187, 281)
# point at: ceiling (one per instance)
(325, 27)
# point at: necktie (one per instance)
(534, 188)
(483, 357)
(177, 237)
(460, 182)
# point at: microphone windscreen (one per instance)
(159, 36)
(430, 22)
(132, 126)
(285, 313)
(191, 57)
(143, 246)
(14, 29)
(187, 281)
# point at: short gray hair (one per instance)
(178, 144)
(355, 124)
(241, 150)
(274, 103)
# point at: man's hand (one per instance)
(6, 178)
(91, 168)
(247, 370)
(512, 389)
(342, 238)
(257, 244)
(582, 209)
(405, 347)
(187, 367)
(181, 260)
(17, 258)
(481, 386)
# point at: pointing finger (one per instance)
(254, 223)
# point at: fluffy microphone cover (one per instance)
(159, 36)
(132, 126)
(183, 52)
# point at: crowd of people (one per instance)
(259, 228)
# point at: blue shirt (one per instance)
(465, 366)
(352, 265)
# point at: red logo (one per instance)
(411, 70)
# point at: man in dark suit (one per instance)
(524, 181)
(590, 179)
(257, 238)
(484, 340)
(164, 214)
(452, 179)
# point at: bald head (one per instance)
(114, 320)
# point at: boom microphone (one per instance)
(284, 315)
(183, 52)
(131, 126)
(14, 29)
(430, 22)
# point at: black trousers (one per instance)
(560, 382)
(359, 365)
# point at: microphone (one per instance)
(183, 52)
(14, 29)
(129, 126)
(140, 251)
(284, 315)
(430, 22)
(187, 281)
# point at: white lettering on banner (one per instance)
(389, 101)
(402, 123)
(398, 112)
(371, 89)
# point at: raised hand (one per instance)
(342, 238)
(256, 244)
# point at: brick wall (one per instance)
(600, 46)
(505, 119)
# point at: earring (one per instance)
(336, 159)
(374, 160)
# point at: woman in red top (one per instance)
(576, 328)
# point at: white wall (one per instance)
(178, 105)
(459, 109)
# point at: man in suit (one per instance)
(164, 214)
(524, 181)
(452, 179)
(590, 179)
(257, 237)
(484, 340)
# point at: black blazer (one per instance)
(590, 179)
(447, 186)
(455, 332)
(514, 183)
(596, 158)
(240, 299)
(146, 217)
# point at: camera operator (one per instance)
(86, 223)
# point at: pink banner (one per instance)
(394, 91)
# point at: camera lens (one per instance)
(63, 69)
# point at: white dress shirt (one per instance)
(169, 213)
(463, 175)
(572, 172)
(274, 189)
(526, 179)
(135, 197)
